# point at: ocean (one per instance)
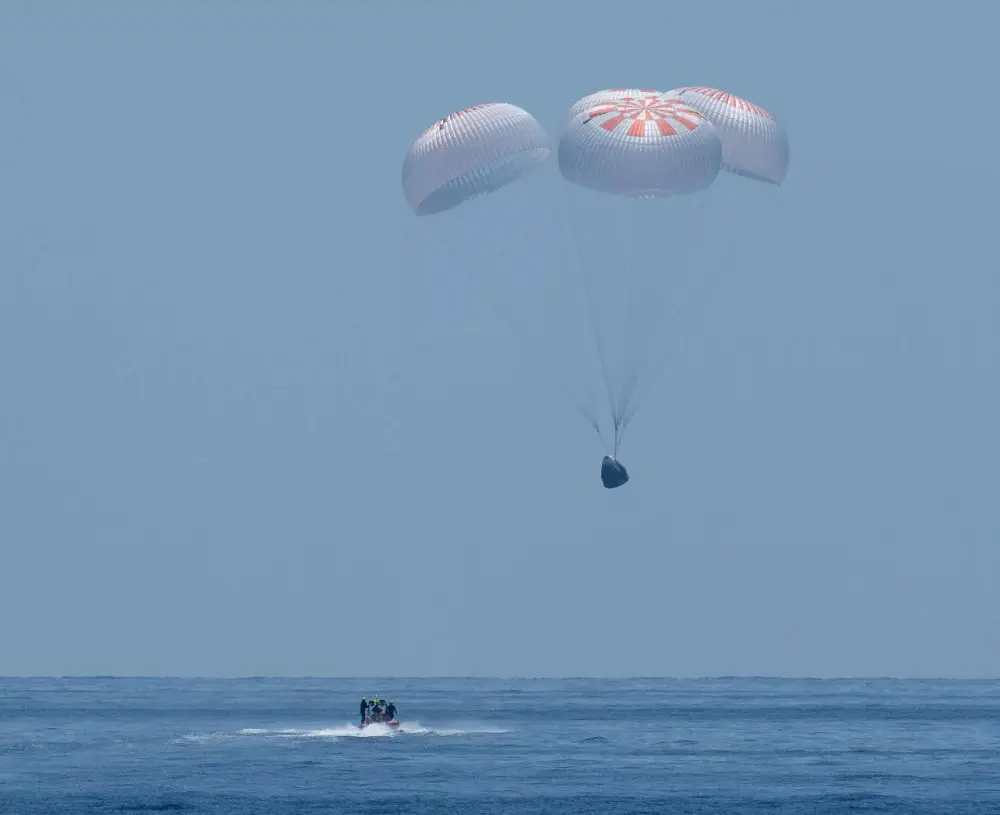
(607, 747)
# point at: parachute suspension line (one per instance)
(622, 408)
(448, 237)
(679, 323)
(638, 337)
(645, 354)
(588, 286)
(600, 434)
(631, 272)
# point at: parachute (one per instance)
(633, 174)
(645, 147)
(470, 153)
(754, 144)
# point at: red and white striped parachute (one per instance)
(754, 144)
(610, 95)
(639, 145)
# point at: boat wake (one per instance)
(372, 731)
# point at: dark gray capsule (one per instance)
(613, 473)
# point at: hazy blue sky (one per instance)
(230, 382)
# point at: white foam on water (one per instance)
(352, 731)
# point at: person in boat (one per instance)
(390, 711)
(364, 709)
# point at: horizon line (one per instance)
(527, 678)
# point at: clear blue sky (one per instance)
(229, 382)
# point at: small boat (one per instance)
(391, 723)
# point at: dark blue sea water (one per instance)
(495, 746)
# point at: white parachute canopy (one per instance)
(633, 158)
(754, 143)
(470, 153)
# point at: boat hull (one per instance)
(393, 724)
